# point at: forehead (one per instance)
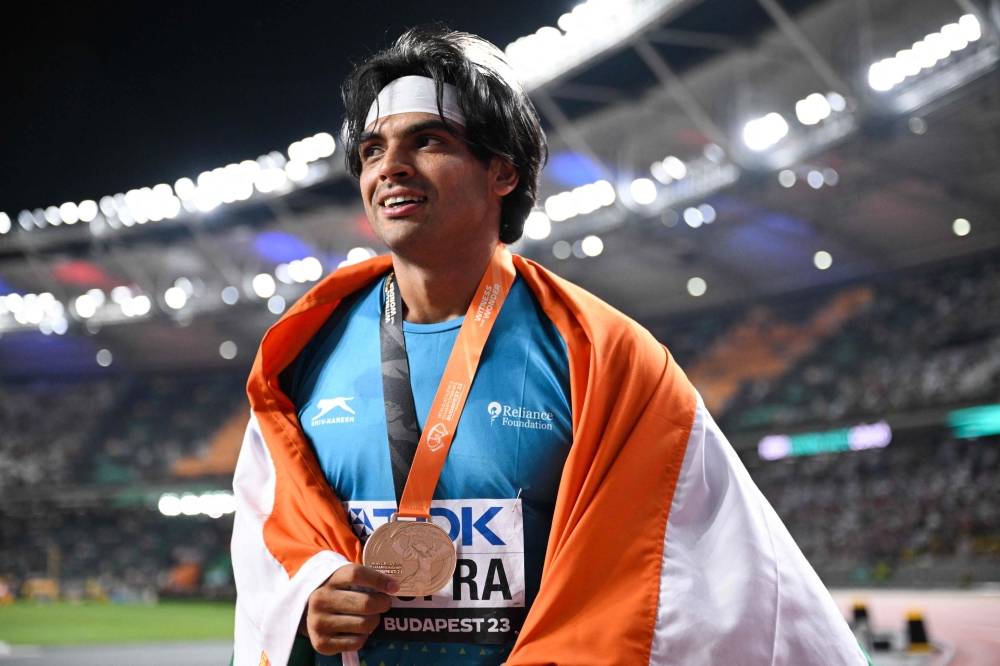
(399, 123)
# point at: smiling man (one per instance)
(457, 458)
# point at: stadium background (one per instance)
(799, 198)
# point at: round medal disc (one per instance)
(417, 554)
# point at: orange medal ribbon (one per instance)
(449, 401)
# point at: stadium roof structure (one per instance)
(705, 153)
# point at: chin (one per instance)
(405, 235)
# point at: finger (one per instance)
(350, 602)
(330, 625)
(340, 643)
(355, 575)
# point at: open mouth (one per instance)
(398, 202)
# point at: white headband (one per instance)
(410, 94)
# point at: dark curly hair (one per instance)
(500, 119)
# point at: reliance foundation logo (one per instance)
(519, 417)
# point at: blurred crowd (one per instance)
(121, 555)
(163, 419)
(110, 431)
(911, 502)
(929, 341)
(44, 428)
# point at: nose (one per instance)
(395, 164)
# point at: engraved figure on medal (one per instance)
(418, 554)
(421, 550)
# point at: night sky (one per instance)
(102, 97)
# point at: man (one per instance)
(493, 431)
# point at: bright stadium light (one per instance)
(169, 504)
(185, 188)
(762, 133)
(141, 305)
(561, 250)
(104, 358)
(52, 216)
(659, 173)
(297, 171)
(120, 294)
(707, 213)
(889, 72)
(589, 29)
(87, 210)
(579, 201)
(189, 504)
(961, 227)
(230, 295)
(813, 109)
(223, 185)
(69, 213)
(823, 260)
(815, 179)
(97, 296)
(643, 191)
(356, 255)
(263, 285)
(674, 167)
(85, 306)
(592, 246)
(836, 101)
(537, 226)
(312, 269)
(697, 286)
(294, 270)
(693, 217)
(175, 298)
(787, 178)
(227, 350)
(4, 223)
(276, 304)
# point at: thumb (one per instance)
(361, 576)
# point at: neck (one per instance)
(442, 291)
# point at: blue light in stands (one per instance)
(27, 354)
(573, 169)
(281, 247)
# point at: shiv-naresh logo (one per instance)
(330, 403)
(435, 438)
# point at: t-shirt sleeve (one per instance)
(292, 378)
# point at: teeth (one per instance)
(395, 201)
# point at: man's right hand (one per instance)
(338, 618)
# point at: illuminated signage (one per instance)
(975, 421)
(858, 438)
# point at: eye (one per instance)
(370, 151)
(430, 140)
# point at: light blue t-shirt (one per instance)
(502, 471)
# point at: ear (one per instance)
(503, 177)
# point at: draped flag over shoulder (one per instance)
(662, 550)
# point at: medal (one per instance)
(417, 554)
(410, 547)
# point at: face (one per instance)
(425, 193)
